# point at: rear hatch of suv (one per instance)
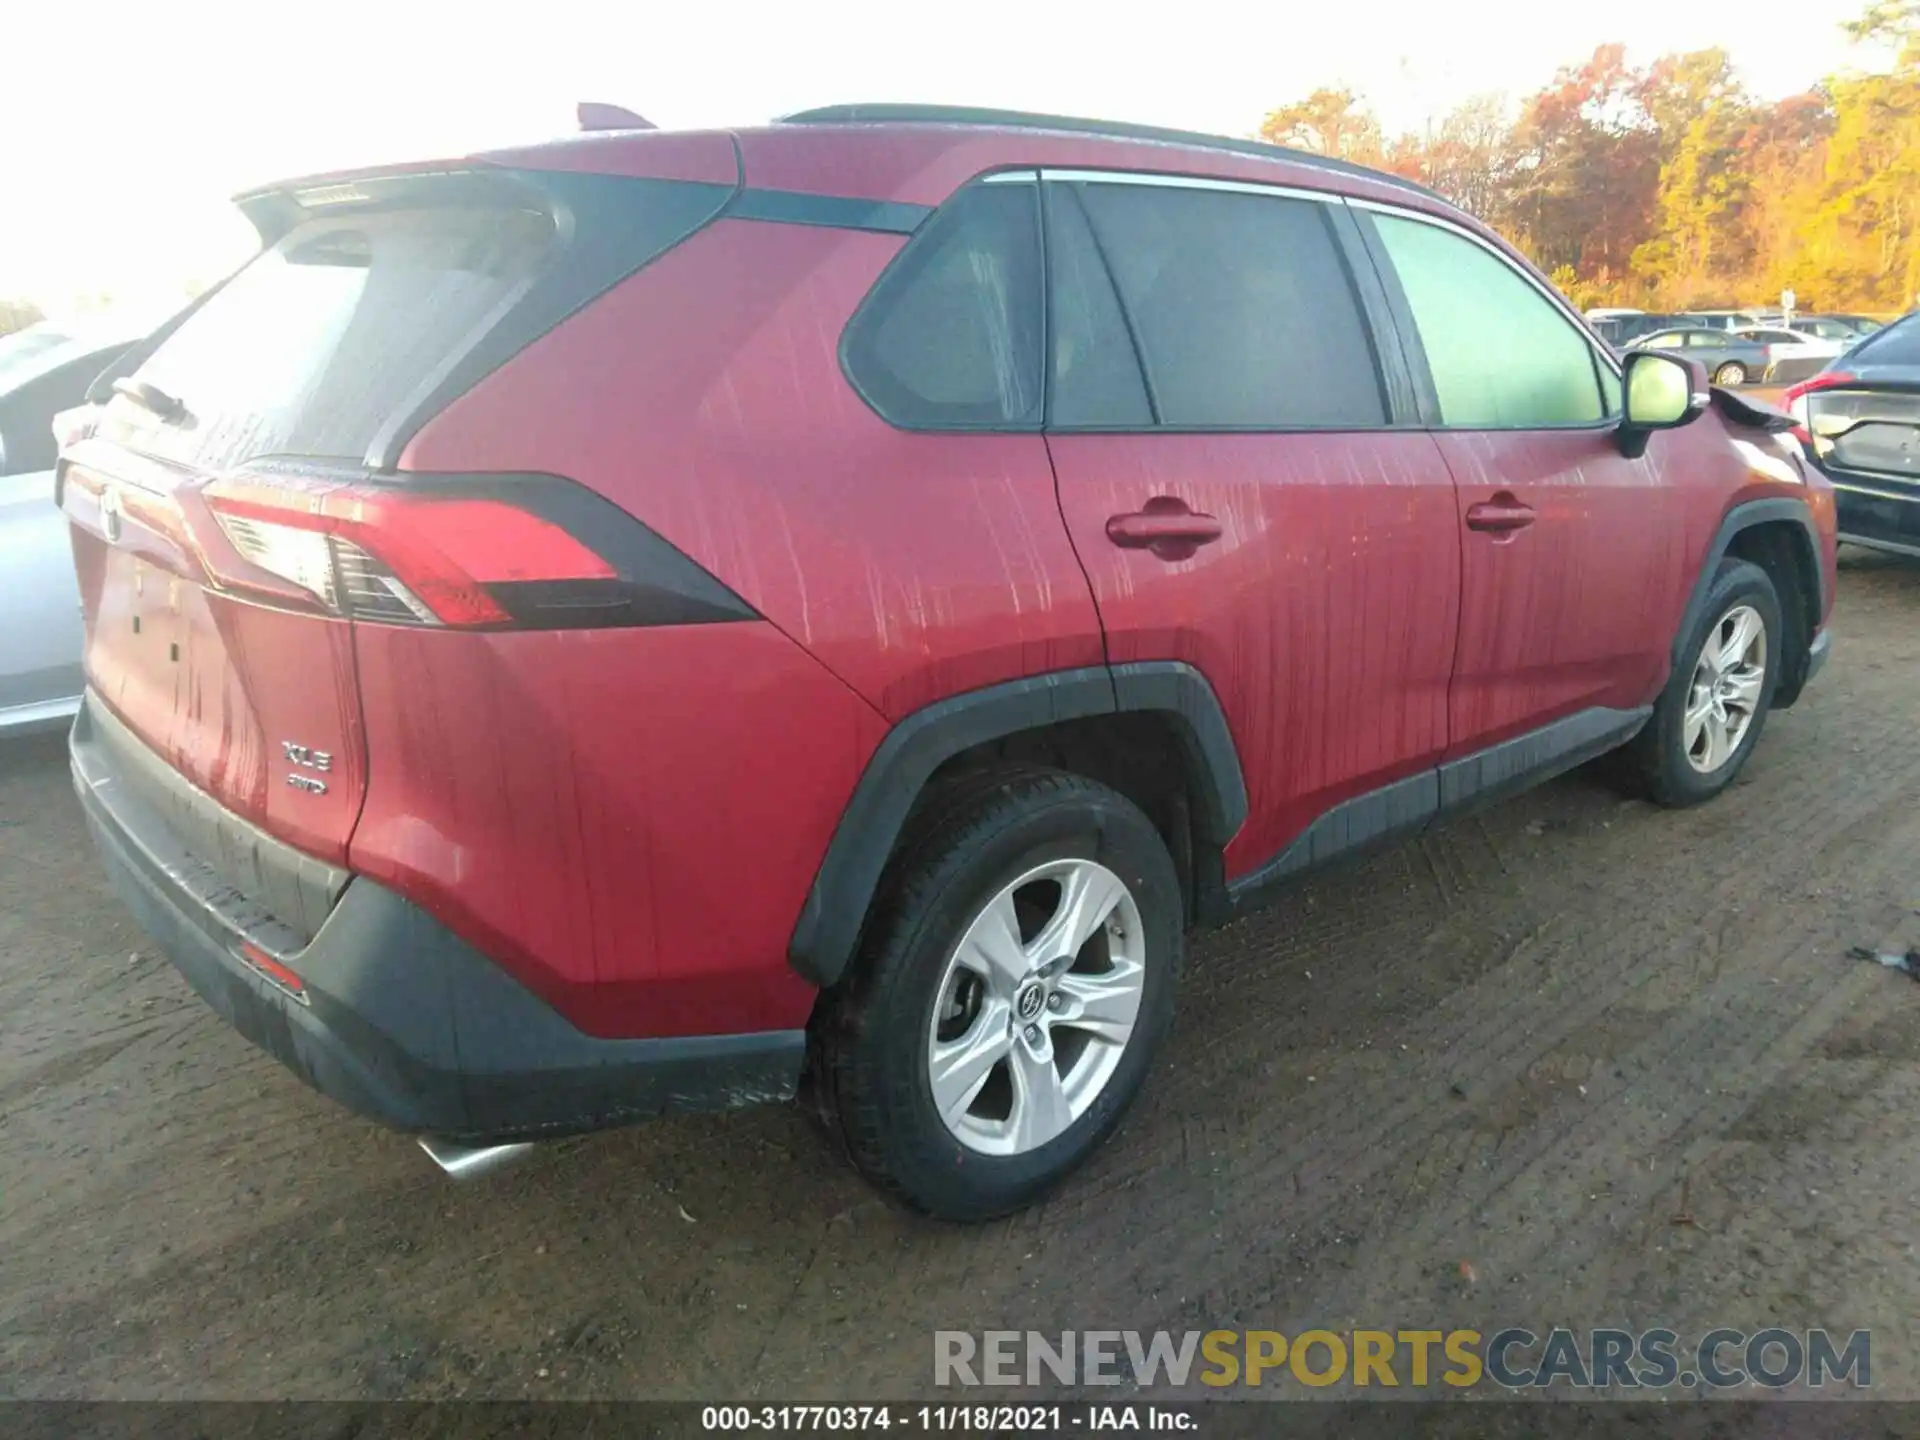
(236, 514)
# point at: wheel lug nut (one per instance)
(1055, 1001)
(1033, 1034)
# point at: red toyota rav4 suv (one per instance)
(594, 630)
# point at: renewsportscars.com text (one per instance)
(1516, 1358)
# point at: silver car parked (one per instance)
(1730, 359)
(45, 371)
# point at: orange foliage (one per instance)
(1670, 185)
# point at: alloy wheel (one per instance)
(1724, 695)
(1036, 1007)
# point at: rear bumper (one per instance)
(1877, 518)
(395, 1016)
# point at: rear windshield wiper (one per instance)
(135, 355)
(151, 397)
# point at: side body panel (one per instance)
(1324, 616)
(626, 820)
(1575, 610)
(1733, 480)
(705, 396)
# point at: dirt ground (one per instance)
(1575, 1061)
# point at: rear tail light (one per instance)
(70, 427)
(487, 553)
(1795, 400)
(378, 553)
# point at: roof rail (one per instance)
(1114, 129)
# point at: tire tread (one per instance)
(944, 834)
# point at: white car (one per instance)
(45, 371)
(40, 680)
(1794, 353)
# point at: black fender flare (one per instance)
(1746, 517)
(835, 909)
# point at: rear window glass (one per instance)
(311, 348)
(950, 337)
(1898, 344)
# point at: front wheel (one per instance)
(1709, 717)
(1009, 994)
(1731, 373)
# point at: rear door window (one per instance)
(311, 348)
(950, 337)
(1502, 356)
(1096, 364)
(1238, 305)
(1610, 396)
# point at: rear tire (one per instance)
(1011, 987)
(1710, 716)
(1731, 373)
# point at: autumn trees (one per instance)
(1672, 185)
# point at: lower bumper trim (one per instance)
(402, 1020)
(1878, 519)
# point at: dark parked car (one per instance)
(1621, 331)
(591, 630)
(1860, 420)
(1729, 359)
(1718, 319)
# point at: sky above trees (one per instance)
(123, 130)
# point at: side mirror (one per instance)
(1662, 392)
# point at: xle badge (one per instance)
(307, 759)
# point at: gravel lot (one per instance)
(1575, 1061)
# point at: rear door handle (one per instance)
(1501, 515)
(1164, 526)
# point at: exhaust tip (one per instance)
(470, 1162)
